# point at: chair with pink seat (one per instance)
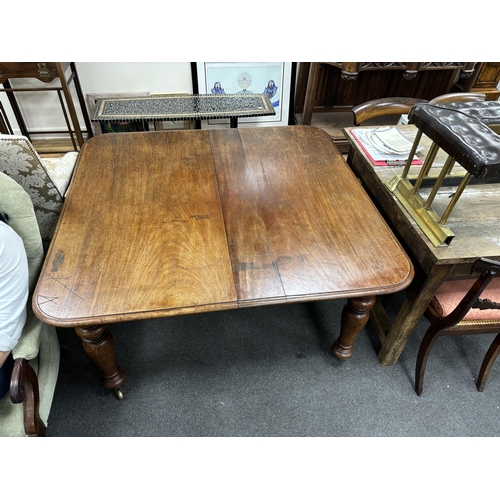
(461, 307)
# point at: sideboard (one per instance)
(328, 87)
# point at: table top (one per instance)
(183, 107)
(474, 220)
(45, 71)
(165, 223)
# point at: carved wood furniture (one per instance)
(402, 105)
(475, 222)
(484, 79)
(326, 87)
(383, 107)
(47, 72)
(464, 307)
(331, 86)
(224, 219)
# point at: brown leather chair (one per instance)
(461, 307)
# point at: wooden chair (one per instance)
(458, 97)
(461, 307)
(402, 105)
(383, 107)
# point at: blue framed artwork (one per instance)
(271, 78)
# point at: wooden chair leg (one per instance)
(24, 389)
(424, 351)
(488, 362)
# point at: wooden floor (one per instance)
(52, 148)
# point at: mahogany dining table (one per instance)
(158, 224)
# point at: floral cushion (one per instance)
(450, 293)
(20, 161)
(16, 204)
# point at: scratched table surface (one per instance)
(166, 223)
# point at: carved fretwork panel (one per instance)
(342, 85)
(441, 65)
(383, 65)
(326, 87)
(350, 70)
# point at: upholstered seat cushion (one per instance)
(458, 131)
(60, 170)
(450, 293)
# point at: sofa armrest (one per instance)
(24, 389)
(29, 342)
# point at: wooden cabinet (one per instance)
(484, 80)
(329, 87)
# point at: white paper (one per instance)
(391, 140)
(376, 153)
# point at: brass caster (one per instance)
(119, 393)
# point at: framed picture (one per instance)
(271, 78)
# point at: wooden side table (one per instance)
(184, 107)
(5, 127)
(48, 72)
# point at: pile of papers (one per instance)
(385, 145)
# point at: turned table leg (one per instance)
(355, 315)
(99, 345)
